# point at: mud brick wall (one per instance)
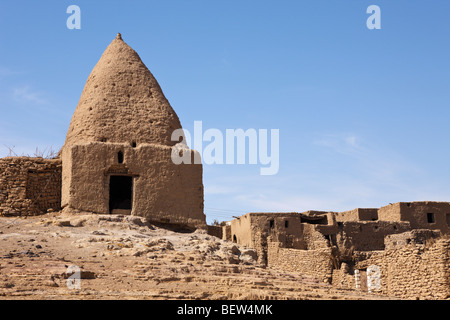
(414, 271)
(29, 186)
(368, 235)
(226, 233)
(163, 192)
(416, 236)
(215, 231)
(315, 263)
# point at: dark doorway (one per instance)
(120, 194)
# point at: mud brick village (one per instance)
(113, 205)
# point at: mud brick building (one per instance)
(406, 241)
(117, 153)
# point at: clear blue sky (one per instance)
(363, 114)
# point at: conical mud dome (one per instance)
(117, 158)
(122, 102)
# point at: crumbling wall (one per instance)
(367, 235)
(215, 231)
(226, 232)
(344, 277)
(416, 236)
(313, 237)
(358, 214)
(286, 228)
(241, 231)
(317, 263)
(29, 186)
(414, 271)
(253, 229)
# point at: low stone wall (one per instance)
(29, 186)
(414, 271)
(316, 263)
(343, 279)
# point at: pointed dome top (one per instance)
(122, 102)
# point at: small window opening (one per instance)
(286, 224)
(234, 238)
(430, 217)
(133, 144)
(120, 157)
(103, 139)
(271, 224)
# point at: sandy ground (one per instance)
(85, 256)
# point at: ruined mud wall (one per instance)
(344, 277)
(226, 232)
(215, 231)
(416, 236)
(29, 186)
(283, 228)
(316, 263)
(367, 235)
(240, 231)
(358, 214)
(414, 271)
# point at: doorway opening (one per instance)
(120, 194)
